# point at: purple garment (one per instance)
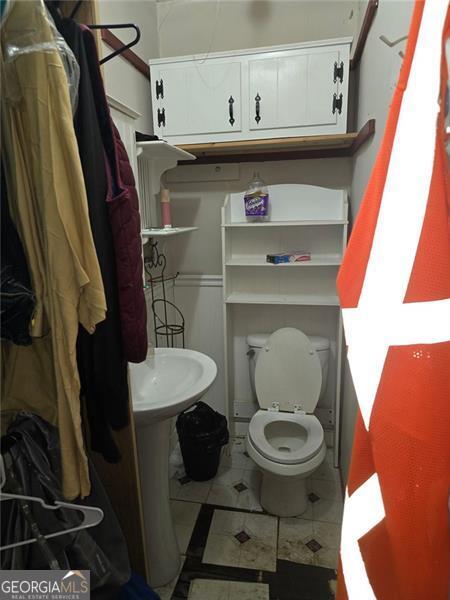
(124, 217)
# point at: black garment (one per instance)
(17, 300)
(145, 137)
(101, 363)
(31, 452)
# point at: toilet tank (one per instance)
(256, 341)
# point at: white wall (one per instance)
(201, 26)
(377, 75)
(122, 80)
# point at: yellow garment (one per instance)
(49, 206)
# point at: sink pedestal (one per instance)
(163, 554)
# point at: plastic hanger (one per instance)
(92, 515)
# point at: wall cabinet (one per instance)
(282, 91)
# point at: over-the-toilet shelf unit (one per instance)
(303, 294)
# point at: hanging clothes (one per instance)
(17, 300)
(123, 208)
(50, 211)
(31, 452)
(101, 362)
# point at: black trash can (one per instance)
(202, 432)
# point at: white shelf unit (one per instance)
(304, 218)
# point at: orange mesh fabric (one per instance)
(407, 555)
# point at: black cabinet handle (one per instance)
(257, 108)
(161, 117)
(230, 110)
(337, 103)
(159, 89)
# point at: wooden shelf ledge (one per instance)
(315, 146)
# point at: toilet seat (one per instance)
(306, 446)
(288, 372)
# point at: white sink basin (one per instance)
(169, 381)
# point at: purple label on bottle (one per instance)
(256, 204)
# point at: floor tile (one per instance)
(236, 488)
(209, 589)
(194, 491)
(184, 515)
(222, 495)
(328, 534)
(236, 456)
(327, 557)
(324, 488)
(309, 542)
(165, 592)
(291, 546)
(327, 471)
(327, 510)
(228, 475)
(222, 550)
(257, 552)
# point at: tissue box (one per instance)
(276, 259)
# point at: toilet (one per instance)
(288, 373)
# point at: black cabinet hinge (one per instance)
(337, 103)
(160, 89)
(338, 72)
(161, 117)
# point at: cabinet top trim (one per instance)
(250, 51)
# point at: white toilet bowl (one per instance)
(284, 439)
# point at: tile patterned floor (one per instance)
(233, 550)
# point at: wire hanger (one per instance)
(92, 515)
(125, 46)
(112, 26)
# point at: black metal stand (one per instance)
(157, 262)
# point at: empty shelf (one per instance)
(300, 299)
(286, 223)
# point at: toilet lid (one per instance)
(288, 371)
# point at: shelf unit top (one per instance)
(289, 148)
(159, 232)
(159, 149)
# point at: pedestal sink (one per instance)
(168, 382)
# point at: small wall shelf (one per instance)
(162, 150)
(159, 232)
(154, 159)
(289, 148)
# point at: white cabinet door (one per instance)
(292, 91)
(198, 98)
(170, 110)
(214, 97)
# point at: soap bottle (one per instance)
(256, 200)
